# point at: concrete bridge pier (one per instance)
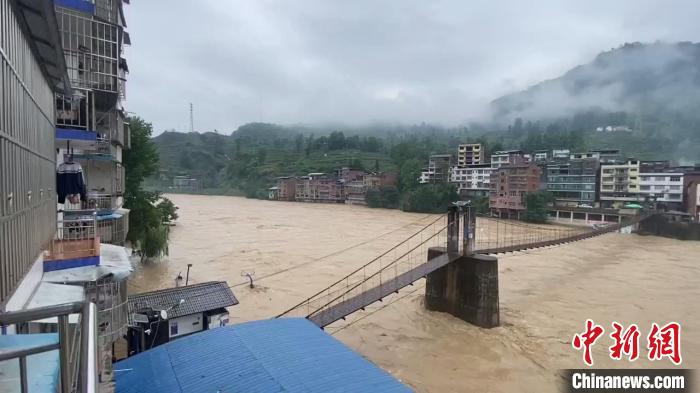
(466, 288)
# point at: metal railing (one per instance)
(77, 355)
(74, 111)
(95, 202)
(113, 230)
(75, 238)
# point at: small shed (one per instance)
(160, 316)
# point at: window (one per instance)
(645, 188)
(173, 328)
(660, 178)
(675, 178)
(676, 188)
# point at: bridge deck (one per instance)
(331, 314)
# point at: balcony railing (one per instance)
(77, 354)
(74, 111)
(75, 238)
(113, 230)
(96, 202)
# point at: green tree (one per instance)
(409, 173)
(386, 197)
(167, 210)
(430, 198)
(336, 140)
(147, 231)
(536, 204)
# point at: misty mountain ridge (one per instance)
(658, 78)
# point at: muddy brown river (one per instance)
(296, 249)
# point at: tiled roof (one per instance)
(197, 298)
(274, 355)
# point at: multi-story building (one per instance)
(541, 156)
(508, 186)
(660, 183)
(637, 181)
(61, 86)
(31, 74)
(92, 128)
(472, 180)
(356, 190)
(507, 157)
(438, 170)
(286, 188)
(561, 154)
(470, 154)
(318, 187)
(619, 183)
(691, 187)
(607, 155)
(574, 182)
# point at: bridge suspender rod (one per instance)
(377, 272)
(307, 300)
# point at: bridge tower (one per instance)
(467, 287)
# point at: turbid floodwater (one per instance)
(296, 249)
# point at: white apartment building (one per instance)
(666, 187)
(473, 180)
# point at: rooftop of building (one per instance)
(274, 355)
(501, 152)
(185, 300)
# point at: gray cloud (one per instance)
(360, 61)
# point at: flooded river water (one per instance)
(296, 249)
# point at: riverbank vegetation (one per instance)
(150, 212)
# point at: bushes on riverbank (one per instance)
(429, 198)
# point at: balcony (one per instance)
(76, 244)
(101, 203)
(113, 228)
(91, 47)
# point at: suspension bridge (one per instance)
(459, 233)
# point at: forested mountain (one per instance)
(651, 91)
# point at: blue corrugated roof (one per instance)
(276, 355)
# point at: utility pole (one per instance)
(191, 118)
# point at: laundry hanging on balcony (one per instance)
(70, 182)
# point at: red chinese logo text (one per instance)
(662, 342)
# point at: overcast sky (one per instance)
(316, 61)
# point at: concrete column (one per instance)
(466, 288)
(436, 284)
(476, 299)
(602, 217)
(557, 215)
